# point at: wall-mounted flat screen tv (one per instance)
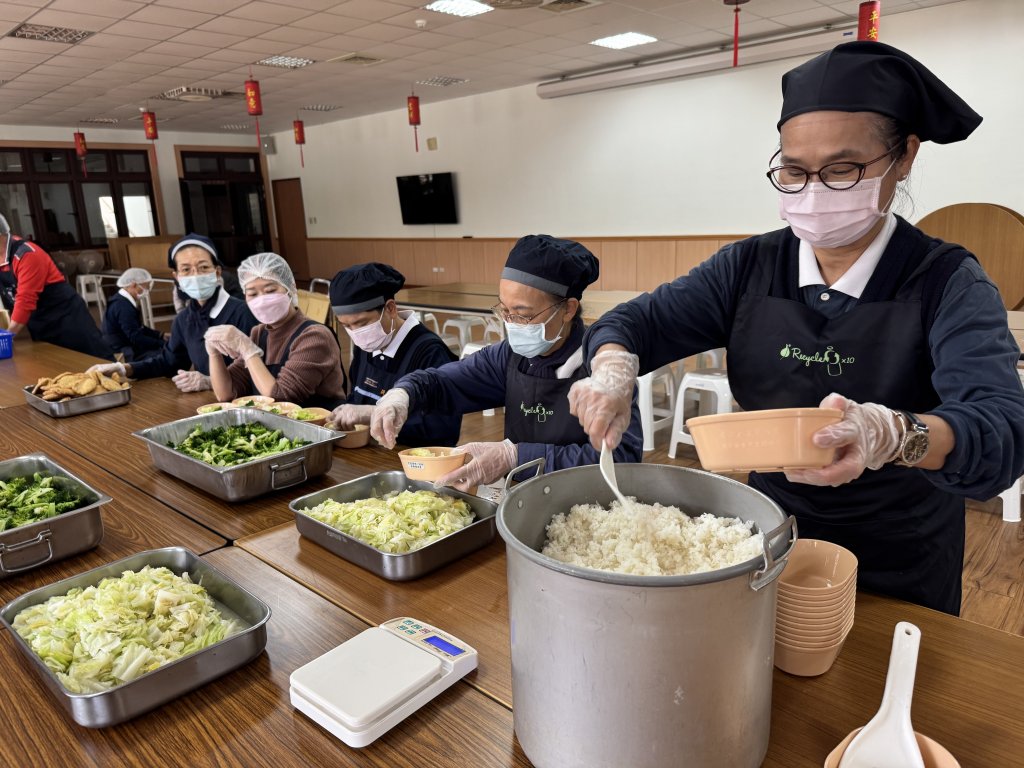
(428, 198)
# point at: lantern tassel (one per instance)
(416, 137)
(302, 160)
(259, 141)
(736, 36)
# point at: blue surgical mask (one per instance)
(199, 287)
(528, 340)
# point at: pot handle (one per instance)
(538, 463)
(772, 567)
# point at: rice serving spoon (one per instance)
(608, 473)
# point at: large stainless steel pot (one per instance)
(612, 670)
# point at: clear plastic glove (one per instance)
(489, 462)
(866, 438)
(346, 416)
(191, 381)
(231, 341)
(109, 368)
(389, 416)
(603, 401)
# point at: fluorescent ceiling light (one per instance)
(321, 107)
(442, 81)
(49, 34)
(459, 7)
(101, 120)
(625, 40)
(286, 62)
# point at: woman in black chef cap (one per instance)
(849, 307)
(529, 373)
(389, 343)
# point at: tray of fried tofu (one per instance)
(72, 394)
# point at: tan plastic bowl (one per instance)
(322, 415)
(818, 568)
(214, 407)
(796, 627)
(808, 640)
(935, 755)
(357, 437)
(252, 401)
(430, 468)
(805, 663)
(800, 601)
(798, 616)
(765, 441)
(282, 408)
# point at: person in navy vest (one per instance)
(197, 270)
(849, 307)
(529, 373)
(122, 322)
(388, 343)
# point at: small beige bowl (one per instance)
(935, 755)
(252, 401)
(319, 416)
(357, 437)
(818, 569)
(763, 441)
(806, 663)
(214, 408)
(429, 468)
(282, 408)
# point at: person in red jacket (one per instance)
(39, 298)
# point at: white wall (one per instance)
(166, 162)
(685, 157)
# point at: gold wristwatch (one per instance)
(914, 442)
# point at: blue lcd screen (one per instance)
(444, 645)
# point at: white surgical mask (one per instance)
(832, 218)
(199, 287)
(372, 337)
(270, 308)
(529, 340)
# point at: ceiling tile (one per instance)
(212, 40)
(143, 30)
(114, 9)
(173, 17)
(385, 33)
(295, 35)
(328, 22)
(205, 6)
(235, 26)
(373, 10)
(182, 49)
(269, 12)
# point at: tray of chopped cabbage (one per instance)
(46, 513)
(127, 637)
(397, 528)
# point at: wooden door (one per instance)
(291, 226)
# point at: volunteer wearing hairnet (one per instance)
(287, 356)
(388, 344)
(529, 373)
(122, 322)
(197, 269)
(849, 307)
(38, 297)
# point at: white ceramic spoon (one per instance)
(888, 740)
(608, 472)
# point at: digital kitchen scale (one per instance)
(369, 684)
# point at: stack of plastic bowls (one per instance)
(817, 595)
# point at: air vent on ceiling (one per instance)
(286, 62)
(442, 81)
(236, 127)
(163, 118)
(49, 34)
(101, 120)
(514, 5)
(357, 59)
(564, 6)
(189, 93)
(321, 107)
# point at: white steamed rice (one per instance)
(649, 540)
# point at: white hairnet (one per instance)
(5, 228)
(267, 266)
(134, 276)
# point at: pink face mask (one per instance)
(372, 337)
(832, 218)
(270, 308)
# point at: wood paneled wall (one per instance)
(627, 263)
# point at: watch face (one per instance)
(915, 448)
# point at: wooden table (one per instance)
(245, 718)
(31, 361)
(970, 680)
(132, 522)
(105, 437)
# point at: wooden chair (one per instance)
(315, 306)
(5, 319)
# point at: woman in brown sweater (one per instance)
(287, 356)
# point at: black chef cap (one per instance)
(868, 76)
(192, 240)
(363, 287)
(563, 268)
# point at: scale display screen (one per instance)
(444, 645)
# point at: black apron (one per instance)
(61, 318)
(537, 409)
(907, 534)
(314, 400)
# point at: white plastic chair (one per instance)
(713, 380)
(711, 358)
(463, 326)
(319, 281)
(494, 328)
(91, 290)
(645, 398)
(469, 349)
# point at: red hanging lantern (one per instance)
(868, 18)
(412, 103)
(300, 138)
(81, 149)
(735, 29)
(149, 125)
(254, 103)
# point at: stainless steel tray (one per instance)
(56, 538)
(78, 405)
(123, 702)
(254, 478)
(396, 567)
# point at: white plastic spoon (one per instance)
(888, 740)
(608, 472)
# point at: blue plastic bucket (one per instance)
(6, 344)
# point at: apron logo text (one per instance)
(539, 410)
(830, 358)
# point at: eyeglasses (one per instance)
(506, 317)
(845, 175)
(186, 270)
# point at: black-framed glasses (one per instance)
(507, 317)
(844, 175)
